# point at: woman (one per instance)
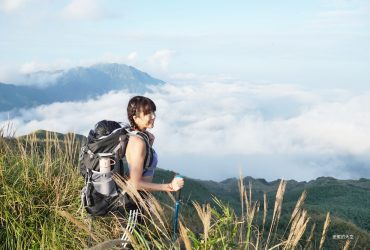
(140, 158)
(141, 115)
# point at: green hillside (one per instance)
(348, 201)
(40, 183)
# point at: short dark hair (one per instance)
(139, 104)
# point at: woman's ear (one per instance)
(135, 118)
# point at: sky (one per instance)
(275, 89)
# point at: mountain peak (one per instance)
(75, 84)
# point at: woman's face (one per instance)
(145, 121)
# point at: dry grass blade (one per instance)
(72, 146)
(325, 230)
(127, 186)
(242, 193)
(78, 223)
(156, 216)
(297, 229)
(250, 191)
(309, 240)
(21, 149)
(185, 237)
(7, 130)
(298, 205)
(296, 210)
(151, 208)
(250, 218)
(250, 209)
(277, 209)
(204, 213)
(247, 204)
(346, 246)
(265, 206)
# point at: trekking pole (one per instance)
(177, 207)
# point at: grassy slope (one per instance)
(348, 201)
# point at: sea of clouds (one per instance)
(215, 129)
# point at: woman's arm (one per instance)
(136, 151)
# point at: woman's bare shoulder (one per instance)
(135, 147)
(136, 141)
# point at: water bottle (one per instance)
(105, 162)
(104, 183)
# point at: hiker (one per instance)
(141, 159)
(113, 149)
(141, 115)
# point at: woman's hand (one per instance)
(177, 183)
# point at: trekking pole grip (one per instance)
(178, 193)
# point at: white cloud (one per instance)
(161, 59)
(8, 73)
(235, 123)
(193, 77)
(83, 9)
(336, 127)
(66, 117)
(40, 74)
(31, 67)
(113, 58)
(248, 119)
(10, 5)
(36, 66)
(132, 56)
(130, 59)
(343, 14)
(235, 118)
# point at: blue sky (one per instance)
(317, 44)
(279, 89)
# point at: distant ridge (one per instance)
(43, 134)
(345, 199)
(76, 84)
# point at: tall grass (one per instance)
(39, 197)
(39, 190)
(38, 181)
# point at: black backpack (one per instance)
(100, 193)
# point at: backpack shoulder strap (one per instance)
(149, 153)
(120, 149)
